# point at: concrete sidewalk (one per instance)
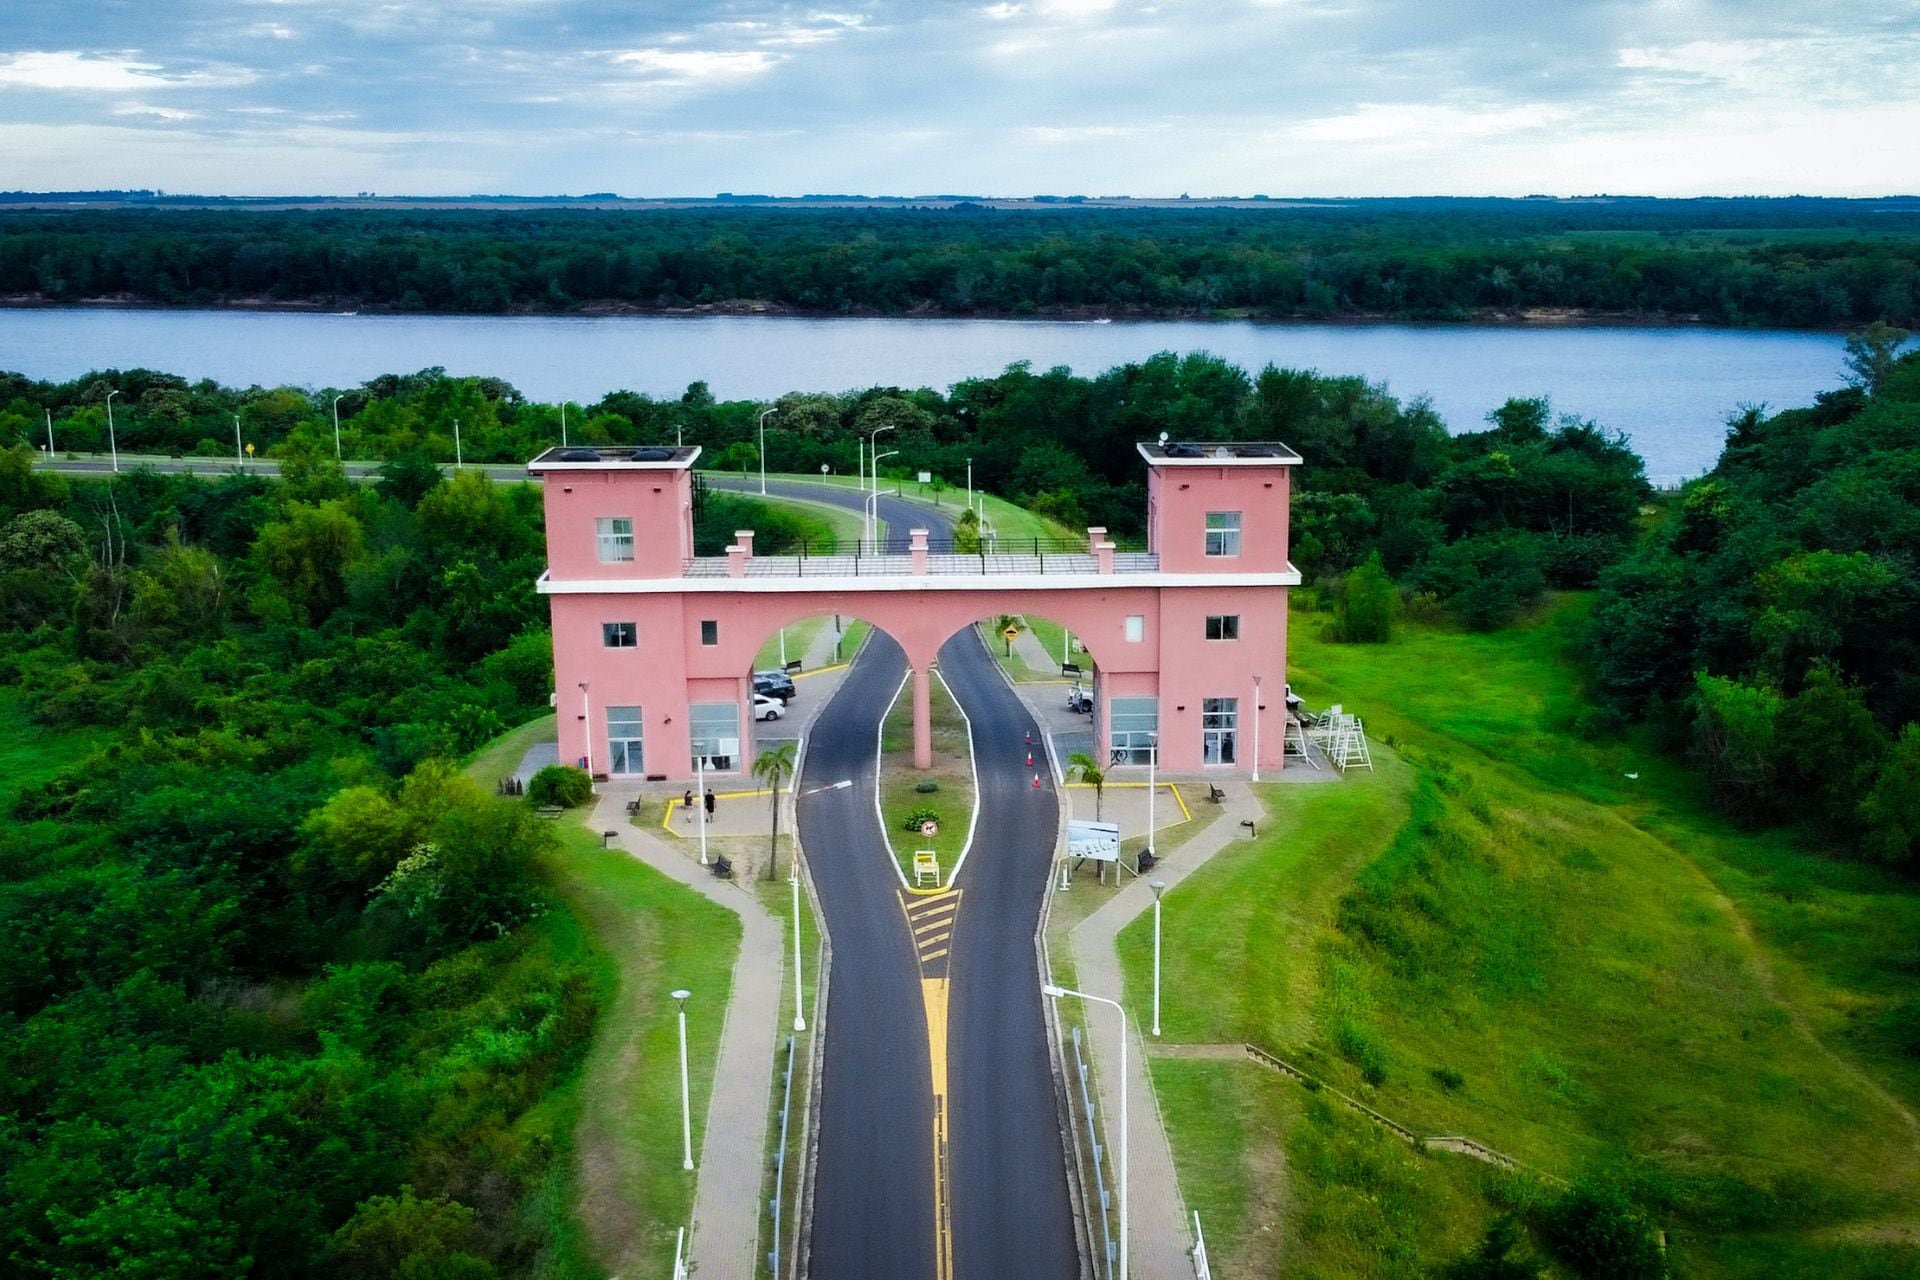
(1159, 1224)
(733, 1151)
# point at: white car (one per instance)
(766, 708)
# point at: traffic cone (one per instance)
(1036, 781)
(1029, 759)
(1029, 737)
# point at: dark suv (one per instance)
(774, 684)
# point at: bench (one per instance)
(722, 869)
(1215, 794)
(633, 806)
(925, 867)
(549, 811)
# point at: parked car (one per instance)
(1080, 700)
(774, 684)
(768, 708)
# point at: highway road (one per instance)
(999, 1209)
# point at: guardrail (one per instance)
(780, 1159)
(1099, 1162)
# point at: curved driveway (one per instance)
(874, 1209)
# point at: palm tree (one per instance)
(1008, 622)
(774, 767)
(1090, 773)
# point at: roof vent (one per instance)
(1184, 451)
(576, 455)
(653, 455)
(1253, 451)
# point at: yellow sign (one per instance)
(249, 451)
(1011, 632)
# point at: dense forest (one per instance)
(269, 1001)
(1770, 624)
(1792, 262)
(1484, 521)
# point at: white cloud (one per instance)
(153, 112)
(695, 67)
(1419, 122)
(1002, 12)
(72, 70)
(1075, 9)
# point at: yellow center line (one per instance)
(933, 993)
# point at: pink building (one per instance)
(654, 647)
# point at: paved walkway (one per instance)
(1027, 648)
(1160, 1225)
(733, 1151)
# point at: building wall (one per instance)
(1179, 498)
(658, 500)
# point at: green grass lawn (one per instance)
(614, 1206)
(31, 753)
(778, 899)
(1498, 934)
(952, 773)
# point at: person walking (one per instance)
(686, 804)
(710, 806)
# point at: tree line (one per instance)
(1796, 262)
(1770, 622)
(1483, 522)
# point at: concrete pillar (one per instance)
(922, 719)
(736, 561)
(744, 537)
(1103, 556)
(917, 546)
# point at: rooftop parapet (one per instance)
(626, 457)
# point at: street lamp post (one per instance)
(1256, 728)
(970, 484)
(873, 499)
(1153, 763)
(563, 424)
(793, 874)
(763, 452)
(239, 454)
(112, 443)
(49, 435)
(686, 1096)
(700, 772)
(1159, 887)
(586, 730)
(1055, 992)
(457, 463)
(336, 427)
(873, 437)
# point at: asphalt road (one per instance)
(874, 1192)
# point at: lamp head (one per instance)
(1052, 990)
(682, 994)
(1159, 887)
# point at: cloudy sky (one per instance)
(1287, 97)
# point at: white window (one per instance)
(1223, 533)
(1136, 628)
(624, 753)
(1223, 626)
(1219, 728)
(615, 536)
(715, 729)
(619, 635)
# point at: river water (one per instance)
(1670, 389)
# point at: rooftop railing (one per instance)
(892, 557)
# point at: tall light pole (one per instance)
(336, 427)
(239, 454)
(793, 874)
(1159, 887)
(586, 728)
(970, 484)
(1153, 761)
(49, 435)
(686, 1095)
(1256, 728)
(873, 499)
(873, 436)
(763, 452)
(700, 768)
(1055, 992)
(563, 424)
(112, 443)
(457, 463)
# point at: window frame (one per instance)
(709, 633)
(620, 635)
(1228, 535)
(606, 533)
(1135, 628)
(1223, 626)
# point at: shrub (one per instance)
(559, 784)
(1599, 1232)
(1449, 1079)
(1368, 605)
(923, 814)
(926, 787)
